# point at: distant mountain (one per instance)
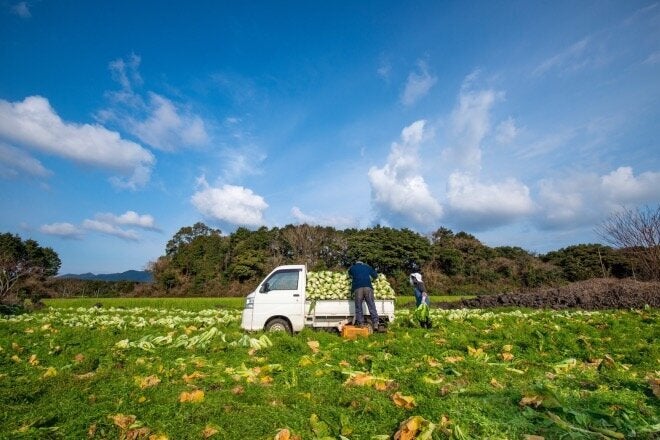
(141, 276)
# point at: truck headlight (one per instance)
(249, 303)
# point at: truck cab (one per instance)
(278, 302)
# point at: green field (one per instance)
(183, 369)
(198, 303)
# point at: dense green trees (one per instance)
(22, 262)
(200, 260)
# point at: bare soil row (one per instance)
(595, 294)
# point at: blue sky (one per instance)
(525, 123)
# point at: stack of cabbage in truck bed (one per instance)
(337, 285)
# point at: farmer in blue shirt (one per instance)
(361, 276)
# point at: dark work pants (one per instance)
(365, 294)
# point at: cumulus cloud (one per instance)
(15, 162)
(229, 203)
(622, 187)
(585, 198)
(470, 122)
(110, 229)
(22, 9)
(397, 189)
(64, 230)
(157, 120)
(418, 84)
(129, 218)
(337, 222)
(33, 123)
(482, 205)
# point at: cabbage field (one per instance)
(114, 372)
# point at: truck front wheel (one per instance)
(278, 325)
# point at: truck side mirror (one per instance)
(264, 287)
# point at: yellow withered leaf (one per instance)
(534, 401)
(209, 431)
(137, 433)
(360, 379)
(194, 396)
(406, 402)
(188, 330)
(33, 360)
(507, 348)
(123, 421)
(408, 428)
(147, 382)
(495, 384)
(50, 372)
(453, 359)
(314, 346)
(283, 434)
(158, 437)
(506, 356)
(187, 378)
(475, 352)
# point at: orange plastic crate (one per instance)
(352, 332)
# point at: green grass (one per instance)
(161, 303)
(65, 373)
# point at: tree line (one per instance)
(202, 261)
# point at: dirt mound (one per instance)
(595, 294)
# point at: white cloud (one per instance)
(470, 122)
(384, 70)
(653, 58)
(34, 124)
(157, 120)
(571, 58)
(506, 131)
(64, 230)
(485, 205)
(22, 9)
(229, 203)
(337, 222)
(126, 73)
(240, 162)
(622, 187)
(129, 218)
(418, 84)
(15, 162)
(586, 198)
(109, 229)
(397, 190)
(167, 127)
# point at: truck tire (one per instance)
(278, 325)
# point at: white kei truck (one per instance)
(279, 303)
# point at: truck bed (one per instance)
(330, 312)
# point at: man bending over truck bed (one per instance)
(361, 275)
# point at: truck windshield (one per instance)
(284, 280)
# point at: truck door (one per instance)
(282, 294)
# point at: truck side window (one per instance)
(284, 280)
